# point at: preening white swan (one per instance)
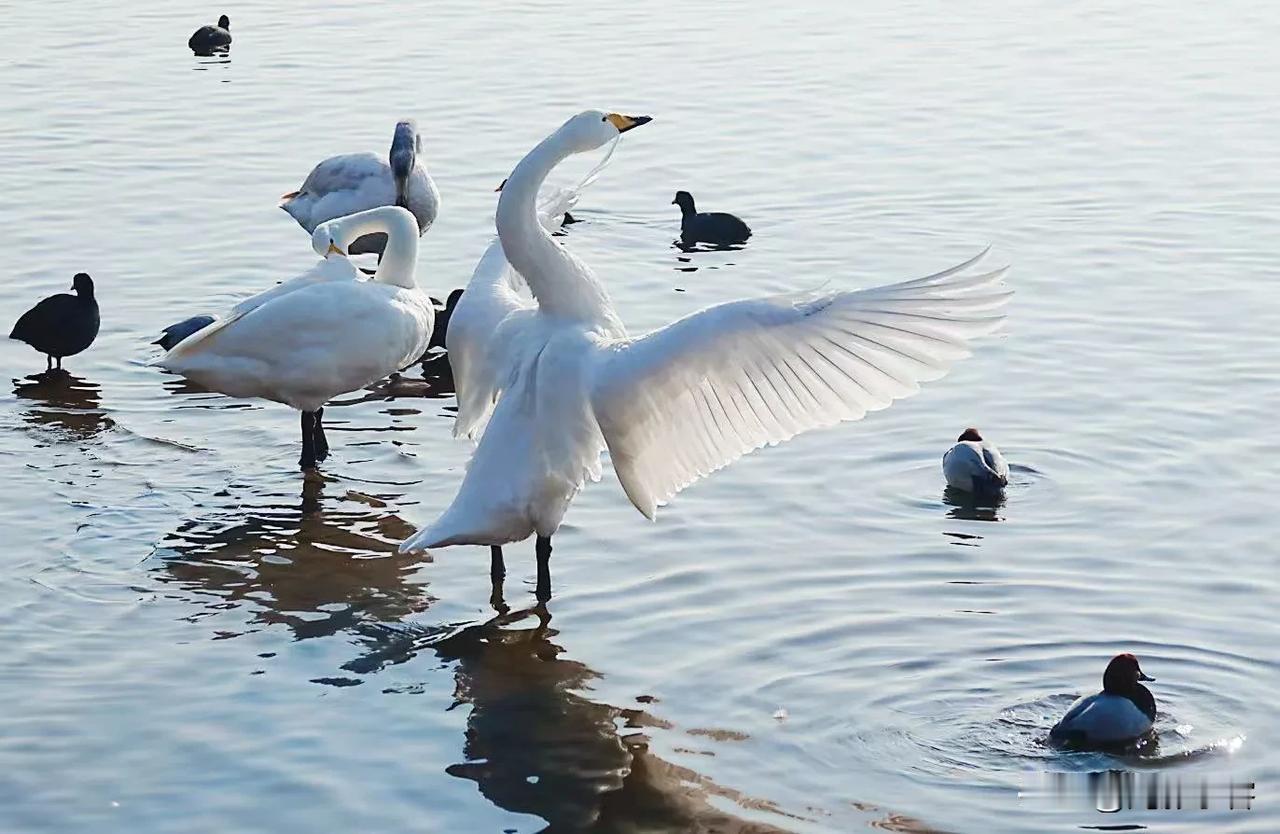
(321, 334)
(683, 401)
(354, 182)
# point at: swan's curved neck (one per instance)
(562, 284)
(400, 258)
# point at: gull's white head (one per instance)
(327, 239)
(592, 129)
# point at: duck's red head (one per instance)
(1123, 674)
(969, 434)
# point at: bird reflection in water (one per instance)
(318, 566)
(59, 401)
(968, 506)
(534, 745)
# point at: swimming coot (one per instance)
(62, 324)
(210, 39)
(714, 227)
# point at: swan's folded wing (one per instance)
(345, 172)
(329, 269)
(489, 298)
(492, 294)
(686, 400)
(325, 270)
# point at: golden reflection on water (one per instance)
(534, 745)
(315, 566)
(324, 566)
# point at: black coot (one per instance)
(210, 39)
(714, 227)
(61, 325)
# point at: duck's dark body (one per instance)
(61, 325)
(435, 363)
(714, 227)
(175, 333)
(210, 39)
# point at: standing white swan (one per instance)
(354, 182)
(321, 334)
(683, 401)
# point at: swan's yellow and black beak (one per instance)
(625, 123)
(333, 247)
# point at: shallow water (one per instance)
(815, 639)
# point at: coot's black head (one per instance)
(684, 200)
(224, 22)
(452, 301)
(82, 284)
(1123, 674)
(969, 434)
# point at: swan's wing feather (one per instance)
(345, 172)
(339, 186)
(325, 271)
(492, 295)
(692, 397)
(297, 334)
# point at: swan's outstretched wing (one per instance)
(686, 400)
(493, 294)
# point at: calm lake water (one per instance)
(813, 640)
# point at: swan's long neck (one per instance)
(400, 258)
(562, 284)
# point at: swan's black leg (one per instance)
(48, 362)
(308, 459)
(497, 572)
(59, 363)
(543, 550)
(322, 444)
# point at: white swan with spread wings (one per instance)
(566, 382)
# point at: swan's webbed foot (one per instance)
(543, 550)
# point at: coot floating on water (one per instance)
(714, 227)
(62, 324)
(210, 39)
(1123, 711)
